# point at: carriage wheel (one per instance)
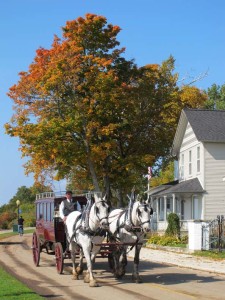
(36, 249)
(59, 257)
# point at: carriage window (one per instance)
(37, 211)
(44, 211)
(40, 210)
(48, 211)
(52, 210)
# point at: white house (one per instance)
(199, 191)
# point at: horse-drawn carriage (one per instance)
(109, 233)
(50, 229)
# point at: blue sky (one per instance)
(192, 31)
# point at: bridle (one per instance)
(96, 210)
(138, 215)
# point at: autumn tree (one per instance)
(164, 175)
(84, 112)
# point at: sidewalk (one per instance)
(183, 260)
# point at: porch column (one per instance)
(157, 208)
(174, 203)
(165, 207)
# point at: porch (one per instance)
(184, 199)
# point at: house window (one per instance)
(196, 207)
(169, 206)
(161, 209)
(198, 159)
(178, 207)
(190, 163)
(182, 166)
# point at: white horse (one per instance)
(128, 231)
(85, 239)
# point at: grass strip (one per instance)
(12, 289)
(8, 234)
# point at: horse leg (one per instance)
(89, 277)
(116, 261)
(80, 268)
(123, 263)
(73, 258)
(135, 276)
(95, 251)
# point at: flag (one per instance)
(149, 173)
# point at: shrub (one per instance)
(6, 218)
(173, 228)
(166, 240)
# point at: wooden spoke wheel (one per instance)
(59, 257)
(36, 249)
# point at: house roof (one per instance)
(188, 186)
(208, 126)
(161, 188)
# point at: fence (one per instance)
(213, 234)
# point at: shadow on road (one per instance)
(11, 243)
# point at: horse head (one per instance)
(101, 211)
(141, 215)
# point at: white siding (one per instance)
(190, 143)
(214, 200)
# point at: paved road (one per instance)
(161, 281)
(183, 260)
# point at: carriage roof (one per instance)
(57, 197)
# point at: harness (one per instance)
(84, 226)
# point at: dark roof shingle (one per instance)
(188, 186)
(208, 125)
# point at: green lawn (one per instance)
(8, 234)
(12, 289)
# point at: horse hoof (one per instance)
(75, 277)
(86, 279)
(79, 270)
(137, 279)
(118, 276)
(93, 283)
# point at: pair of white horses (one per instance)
(124, 227)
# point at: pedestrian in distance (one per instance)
(20, 225)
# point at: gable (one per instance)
(207, 125)
(189, 138)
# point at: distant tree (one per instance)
(24, 194)
(9, 213)
(216, 97)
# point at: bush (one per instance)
(173, 228)
(166, 240)
(6, 218)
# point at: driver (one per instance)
(68, 205)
